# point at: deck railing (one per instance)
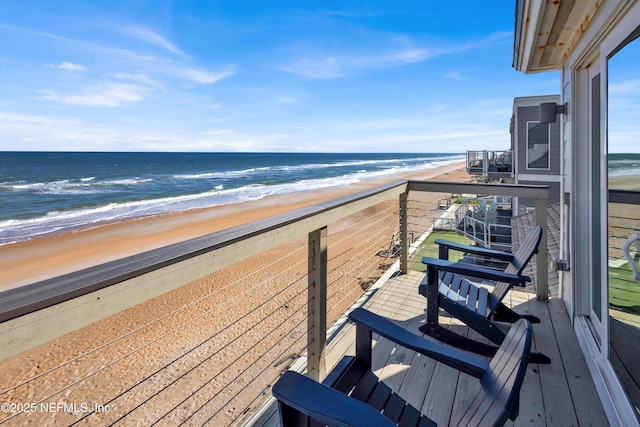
(191, 340)
(486, 221)
(485, 162)
(624, 251)
(624, 288)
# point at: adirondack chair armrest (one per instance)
(476, 250)
(325, 404)
(450, 356)
(466, 269)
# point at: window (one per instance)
(537, 145)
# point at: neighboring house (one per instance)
(584, 40)
(534, 156)
(536, 148)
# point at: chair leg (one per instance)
(456, 340)
(475, 321)
(290, 417)
(447, 336)
(504, 314)
(539, 358)
(484, 327)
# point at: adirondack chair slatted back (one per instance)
(498, 397)
(525, 252)
(521, 258)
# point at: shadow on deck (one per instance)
(561, 393)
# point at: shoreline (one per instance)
(39, 259)
(624, 182)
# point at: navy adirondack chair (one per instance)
(352, 395)
(446, 285)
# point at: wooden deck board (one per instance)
(531, 403)
(553, 379)
(562, 393)
(588, 408)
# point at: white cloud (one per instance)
(140, 78)
(455, 75)
(625, 87)
(321, 68)
(104, 95)
(282, 99)
(70, 66)
(37, 132)
(203, 76)
(409, 56)
(492, 39)
(375, 51)
(153, 38)
(341, 64)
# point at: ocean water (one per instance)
(624, 165)
(44, 193)
(624, 171)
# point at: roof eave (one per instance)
(546, 31)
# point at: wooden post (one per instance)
(404, 237)
(542, 262)
(317, 321)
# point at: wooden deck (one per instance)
(559, 394)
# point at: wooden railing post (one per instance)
(317, 321)
(404, 238)
(542, 262)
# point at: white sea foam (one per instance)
(427, 161)
(63, 221)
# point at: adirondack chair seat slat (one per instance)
(379, 397)
(363, 389)
(372, 403)
(410, 417)
(474, 298)
(447, 286)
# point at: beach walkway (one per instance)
(559, 394)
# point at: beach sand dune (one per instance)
(205, 352)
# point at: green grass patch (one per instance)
(624, 292)
(460, 200)
(430, 249)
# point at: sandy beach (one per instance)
(204, 353)
(35, 260)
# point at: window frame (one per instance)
(548, 146)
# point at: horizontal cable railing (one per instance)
(230, 313)
(623, 259)
(624, 252)
(238, 331)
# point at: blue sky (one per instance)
(378, 76)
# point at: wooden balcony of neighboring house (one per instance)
(198, 332)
